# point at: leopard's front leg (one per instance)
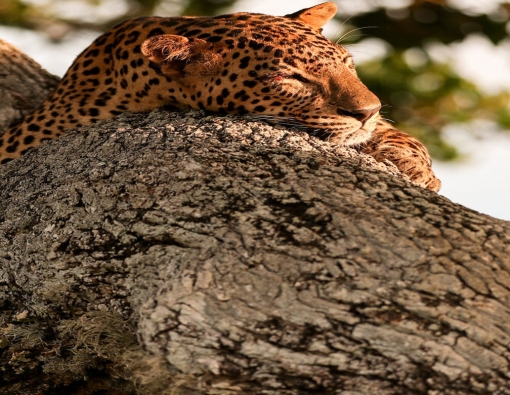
(407, 153)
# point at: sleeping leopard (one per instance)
(278, 68)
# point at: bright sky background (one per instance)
(479, 181)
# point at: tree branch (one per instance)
(23, 85)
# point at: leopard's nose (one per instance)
(362, 115)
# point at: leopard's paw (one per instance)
(404, 151)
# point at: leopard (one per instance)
(279, 69)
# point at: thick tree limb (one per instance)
(23, 85)
(183, 253)
(252, 259)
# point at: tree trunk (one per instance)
(191, 254)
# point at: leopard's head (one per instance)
(281, 69)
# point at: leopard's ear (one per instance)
(178, 55)
(315, 16)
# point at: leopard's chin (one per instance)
(363, 134)
(353, 138)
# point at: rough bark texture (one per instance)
(191, 254)
(23, 85)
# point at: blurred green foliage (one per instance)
(419, 93)
(13, 12)
(431, 20)
(422, 99)
(207, 7)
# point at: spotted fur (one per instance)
(280, 69)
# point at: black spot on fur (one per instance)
(221, 30)
(289, 61)
(235, 33)
(28, 140)
(241, 95)
(193, 32)
(93, 53)
(169, 22)
(155, 32)
(255, 45)
(12, 148)
(215, 39)
(92, 71)
(244, 62)
(132, 37)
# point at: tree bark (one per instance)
(190, 254)
(23, 85)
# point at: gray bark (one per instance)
(191, 254)
(23, 85)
